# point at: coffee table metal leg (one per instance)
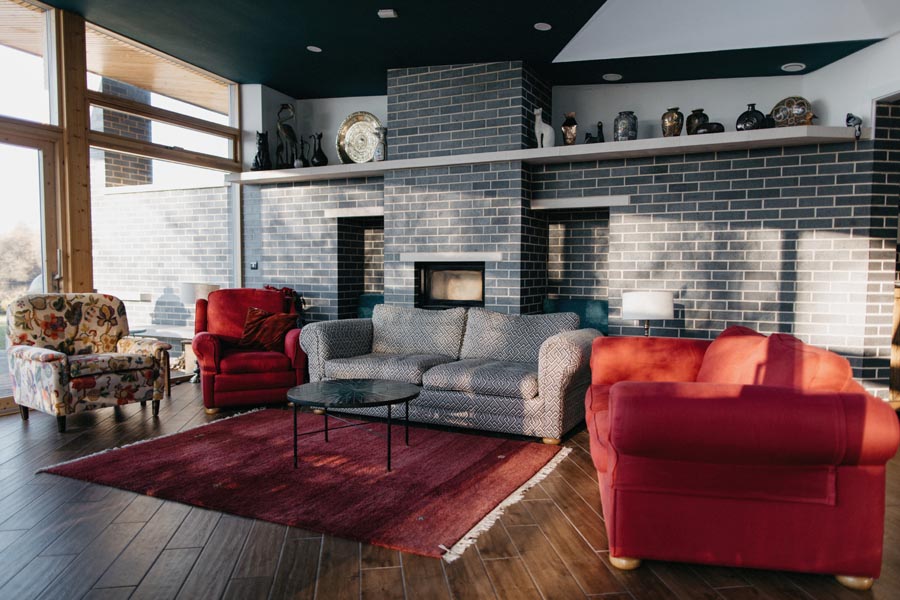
(406, 422)
(295, 436)
(325, 412)
(389, 437)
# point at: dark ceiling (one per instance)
(264, 41)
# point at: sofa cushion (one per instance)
(746, 357)
(485, 376)
(242, 361)
(109, 362)
(395, 367)
(515, 338)
(407, 330)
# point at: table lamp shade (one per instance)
(648, 306)
(191, 292)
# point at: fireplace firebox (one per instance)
(448, 285)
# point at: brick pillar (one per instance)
(124, 169)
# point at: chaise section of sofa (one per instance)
(478, 369)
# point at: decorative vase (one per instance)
(569, 129)
(600, 132)
(672, 122)
(318, 158)
(750, 119)
(710, 127)
(793, 110)
(625, 126)
(380, 145)
(304, 161)
(695, 119)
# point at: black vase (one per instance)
(318, 158)
(696, 119)
(750, 119)
(625, 126)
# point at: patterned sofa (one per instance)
(480, 369)
(69, 353)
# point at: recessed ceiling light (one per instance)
(612, 77)
(543, 26)
(387, 13)
(315, 49)
(793, 67)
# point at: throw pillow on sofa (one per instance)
(516, 338)
(265, 330)
(742, 356)
(407, 330)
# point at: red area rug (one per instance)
(444, 488)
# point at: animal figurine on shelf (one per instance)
(286, 151)
(546, 137)
(262, 161)
(856, 123)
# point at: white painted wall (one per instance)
(325, 115)
(259, 112)
(851, 84)
(722, 99)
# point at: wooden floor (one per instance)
(61, 538)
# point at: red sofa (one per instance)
(235, 376)
(749, 451)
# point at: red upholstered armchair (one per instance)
(749, 451)
(235, 376)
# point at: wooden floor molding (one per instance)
(61, 538)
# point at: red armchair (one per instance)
(749, 451)
(235, 376)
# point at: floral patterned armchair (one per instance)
(71, 352)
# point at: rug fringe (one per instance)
(138, 443)
(451, 554)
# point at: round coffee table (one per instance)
(338, 394)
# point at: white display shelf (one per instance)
(685, 144)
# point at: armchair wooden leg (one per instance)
(23, 410)
(855, 583)
(61, 423)
(155, 405)
(211, 411)
(623, 563)
(552, 441)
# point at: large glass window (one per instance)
(24, 68)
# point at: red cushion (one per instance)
(242, 361)
(226, 310)
(743, 356)
(266, 331)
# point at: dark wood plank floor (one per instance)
(61, 538)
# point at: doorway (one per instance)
(28, 234)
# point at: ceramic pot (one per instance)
(625, 126)
(750, 119)
(711, 127)
(318, 158)
(569, 129)
(695, 119)
(793, 110)
(672, 122)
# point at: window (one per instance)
(24, 52)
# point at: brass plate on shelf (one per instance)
(356, 138)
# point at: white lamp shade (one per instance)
(648, 306)
(191, 292)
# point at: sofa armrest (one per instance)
(615, 359)
(294, 352)
(325, 340)
(564, 375)
(750, 425)
(40, 378)
(208, 350)
(145, 346)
